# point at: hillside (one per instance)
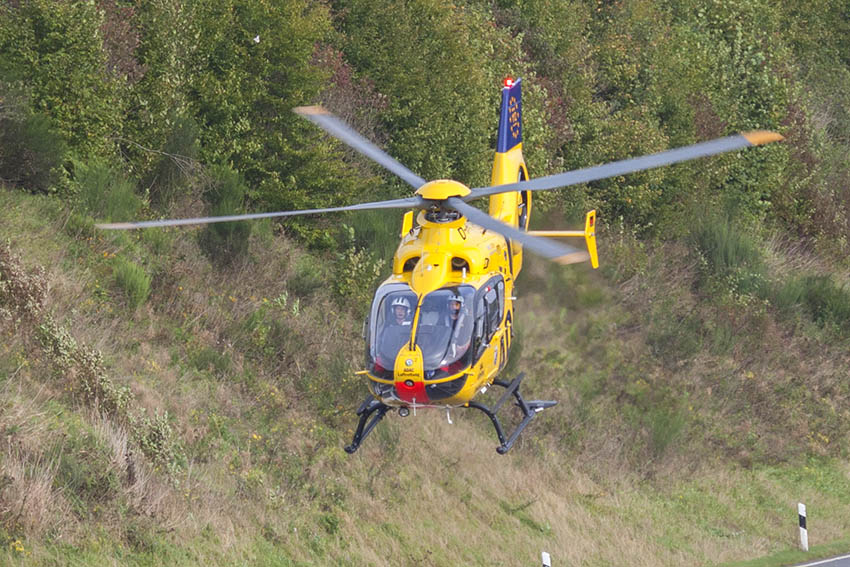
(183, 396)
(256, 395)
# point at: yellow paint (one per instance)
(759, 137)
(442, 189)
(408, 364)
(590, 237)
(424, 260)
(310, 110)
(505, 206)
(406, 223)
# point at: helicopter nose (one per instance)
(409, 376)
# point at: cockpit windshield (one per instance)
(445, 327)
(393, 319)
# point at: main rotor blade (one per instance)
(631, 165)
(339, 130)
(558, 252)
(407, 203)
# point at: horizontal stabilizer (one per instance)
(589, 235)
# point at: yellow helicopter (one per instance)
(441, 325)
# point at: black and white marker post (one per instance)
(804, 533)
(547, 561)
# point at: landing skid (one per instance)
(529, 410)
(372, 411)
(369, 407)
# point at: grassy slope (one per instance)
(646, 459)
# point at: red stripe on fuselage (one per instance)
(410, 393)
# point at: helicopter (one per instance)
(441, 326)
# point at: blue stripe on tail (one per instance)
(510, 121)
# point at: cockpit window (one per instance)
(445, 327)
(392, 319)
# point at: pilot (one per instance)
(455, 305)
(461, 332)
(401, 307)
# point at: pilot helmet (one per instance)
(455, 299)
(401, 301)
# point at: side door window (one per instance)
(491, 300)
(495, 301)
(489, 312)
(480, 331)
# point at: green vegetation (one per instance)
(133, 280)
(182, 396)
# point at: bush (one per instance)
(54, 51)
(225, 242)
(133, 279)
(22, 293)
(828, 302)
(357, 275)
(309, 276)
(788, 294)
(729, 258)
(31, 152)
(105, 192)
(674, 337)
(177, 165)
(157, 440)
(86, 366)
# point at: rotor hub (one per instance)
(442, 189)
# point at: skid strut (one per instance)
(372, 411)
(529, 410)
(369, 407)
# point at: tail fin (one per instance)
(590, 238)
(510, 121)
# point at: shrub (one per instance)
(674, 337)
(209, 359)
(157, 441)
(31, 152)
(54, 50)
(788, 294)
(225, 242)
(22, 292)
(85, 470)
(177, 165)
(828, 302)
(729, 258)
(308, 277)
(105, 192)
(85, 365)
(357, 274)
(133, 279)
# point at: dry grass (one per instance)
(28, 501)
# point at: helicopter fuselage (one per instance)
(441, 258)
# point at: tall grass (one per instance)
(827, 301)
(133, 280)
(729, 257)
